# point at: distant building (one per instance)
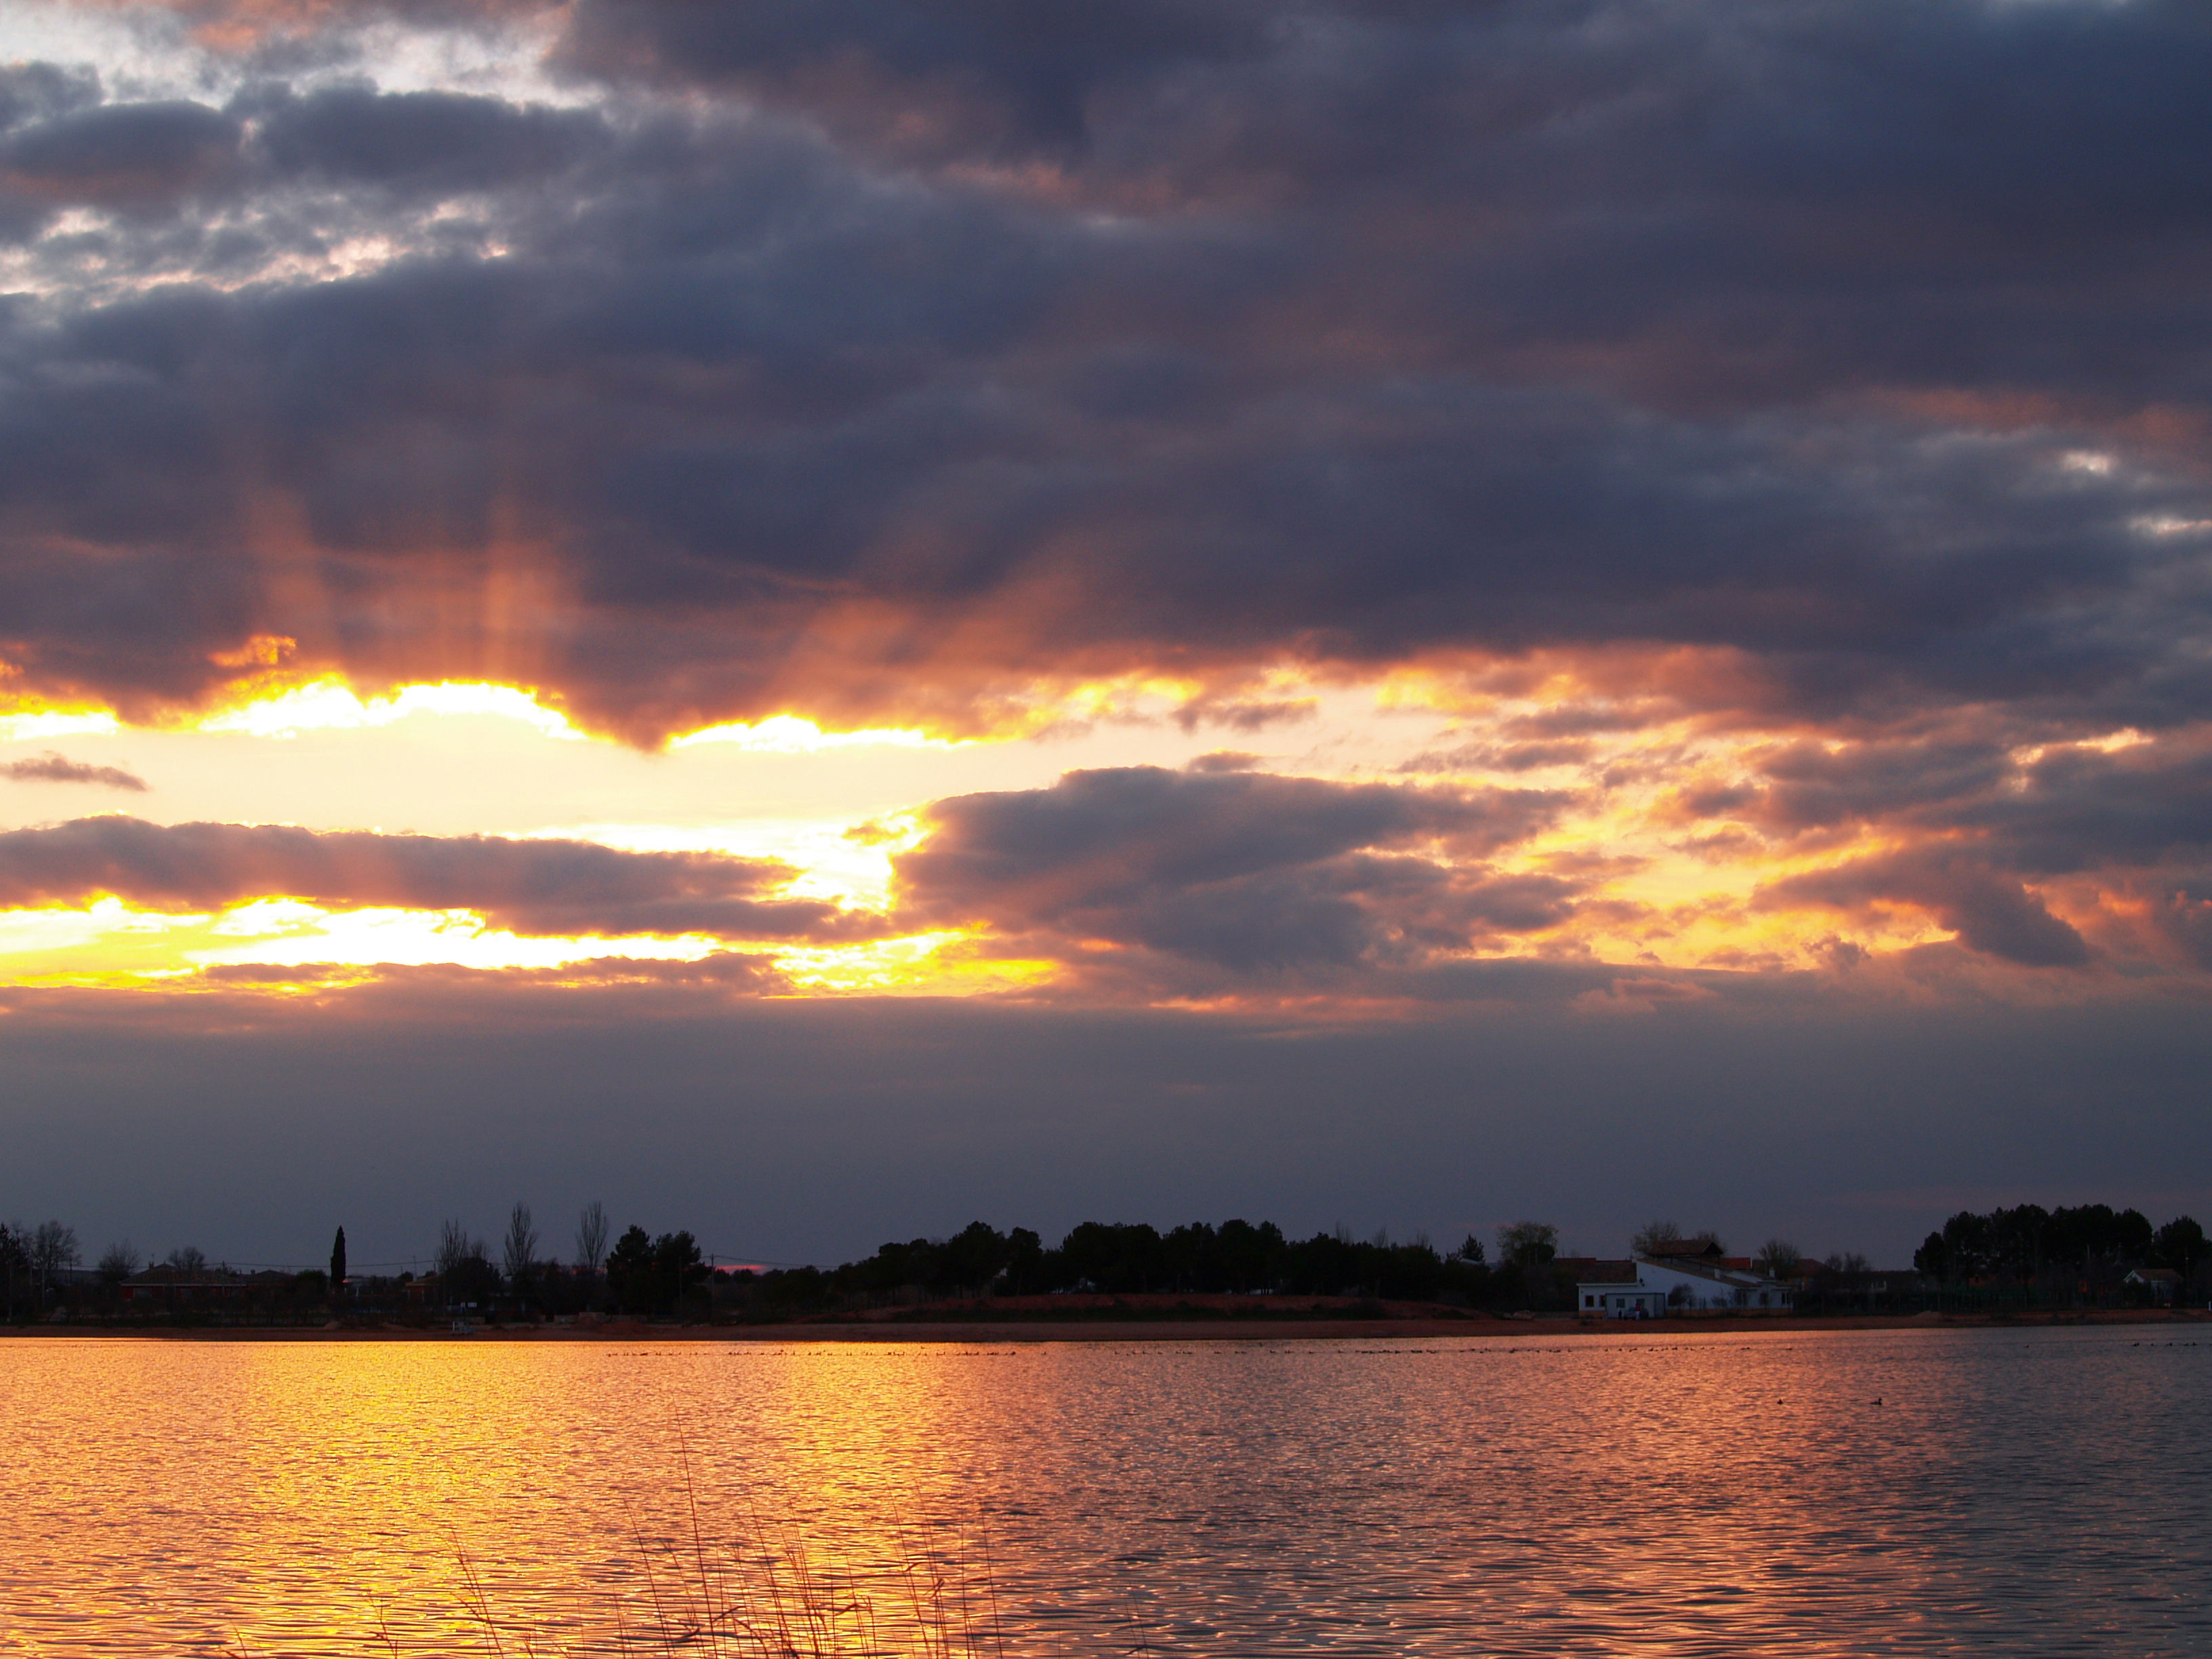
(1706, 1279)
(2163, 1283)
(200, 1286)
(1613, 1289)
(1683, 1275)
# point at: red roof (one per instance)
(1705, 1248)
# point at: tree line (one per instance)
(638, 1272)
(642, 1273)
(2027, 1245)
(1200, 1258)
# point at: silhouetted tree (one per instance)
(1525, 1253)
(1527, 1245)
(53, 1252)
(464, 1272)
(1777, 1258)
(2018, 1247)
(186, 1258)
(2181, 1245)
(629, 1271)
(117, 1263)
(15, 1265)
(654, 1275)
(519, 1251)
(592, 1238)
(677, 1266)
(454, 1245)
(339, 1264)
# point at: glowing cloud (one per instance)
(36, 726)
(331, 705)
(285, 934)
(789, 734)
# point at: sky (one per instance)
(823, 618)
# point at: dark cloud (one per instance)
(118, 155)
(945, 78)
(724, 970)
(1223, 760)
(556, 888)
(1500, 756)
(2075, 808)
(31, 92)
(51, 768)
(1812, 787)
(432, 145)
(260, 30)
(1990, 910)
(1236, 874)
(1986, 828)
(881, 358)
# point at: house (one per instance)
(1694, 1273)
(190, 1285)
(2163, 1283)
(202, 1286)
(1612, 1290)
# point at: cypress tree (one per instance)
(337, 1263)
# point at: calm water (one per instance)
(2013, 1492)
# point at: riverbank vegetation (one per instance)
(2087, 1257)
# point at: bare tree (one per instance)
(117, 1263)
(1777, 1258)
(53, 1250)
(14, 1261)
(455, 1247)
(465, 1275)
(1652, 1235)
(591, 1230)
(519, 1248)
(186, 1258)
(53, 1246)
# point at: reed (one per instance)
(763, 1594)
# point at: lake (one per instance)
(2002, 1491)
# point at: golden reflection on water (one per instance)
(1827, 1494)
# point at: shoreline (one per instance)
(968, 1333)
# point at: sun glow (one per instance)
(330, 704)
(852, 870)
(1659, 824)
(791, 734)
(39, 726)
(107, 942)
(929, 964)
(286, 933)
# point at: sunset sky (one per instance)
(820, 618)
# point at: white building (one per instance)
(1616, 1290)
(1682, 1275)
(1695, 1274)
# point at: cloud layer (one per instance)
(884, 354)
(1192, 881)
(1822, 383)
(548, 888)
